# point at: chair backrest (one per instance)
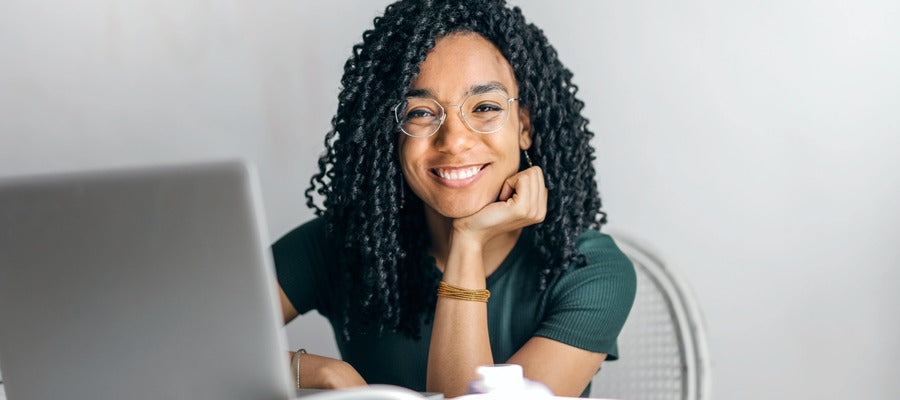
(663, 343)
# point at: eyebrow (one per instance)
(475, 89)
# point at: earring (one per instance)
(528, 159)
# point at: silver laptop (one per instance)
(141, 284)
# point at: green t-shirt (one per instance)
(584, 307)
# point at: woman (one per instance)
(460, 215)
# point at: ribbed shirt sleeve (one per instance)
(587, 306)
(302, 260)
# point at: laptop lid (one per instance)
(151, 283)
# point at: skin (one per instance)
(473, 228)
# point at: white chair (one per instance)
(663, 343)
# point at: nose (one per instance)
(454, 137)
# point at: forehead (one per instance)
(461, 62)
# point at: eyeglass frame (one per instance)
(462, 114)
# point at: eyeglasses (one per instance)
(484, 113)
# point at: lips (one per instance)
(458, 176)
(458, 173)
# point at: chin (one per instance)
(458, 210)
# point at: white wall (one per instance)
(755, 144)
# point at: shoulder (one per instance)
(603, 256)
(311, 236)
(588, 305)
(303, 258)
(607, 275)
(309, 244)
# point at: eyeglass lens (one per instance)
(483, 113)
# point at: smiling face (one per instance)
(456, 171)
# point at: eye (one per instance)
(487, 107)
(419, 113)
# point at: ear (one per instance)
(524, 128)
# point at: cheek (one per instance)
(405, 151)
(507, 147)
(412, 154)
(407, 155)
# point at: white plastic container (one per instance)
(505, 381)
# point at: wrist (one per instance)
(465, 262)
(295, 366)
(462, 239)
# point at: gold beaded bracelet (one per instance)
(455, 292)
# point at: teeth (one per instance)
(456, 174)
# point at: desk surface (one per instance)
(308, 392)
(3, 394)
(301, 393)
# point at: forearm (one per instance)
(459, 337)
(318, 372)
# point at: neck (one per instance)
(494, 251)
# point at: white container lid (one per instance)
(501, 376)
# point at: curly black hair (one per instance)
(360, 179)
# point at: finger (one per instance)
(528, 193)
(540, 195)
(541, 179)
(543, 203)
(509, 187)
(525, 188)
(506, 191)
(536, 192)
